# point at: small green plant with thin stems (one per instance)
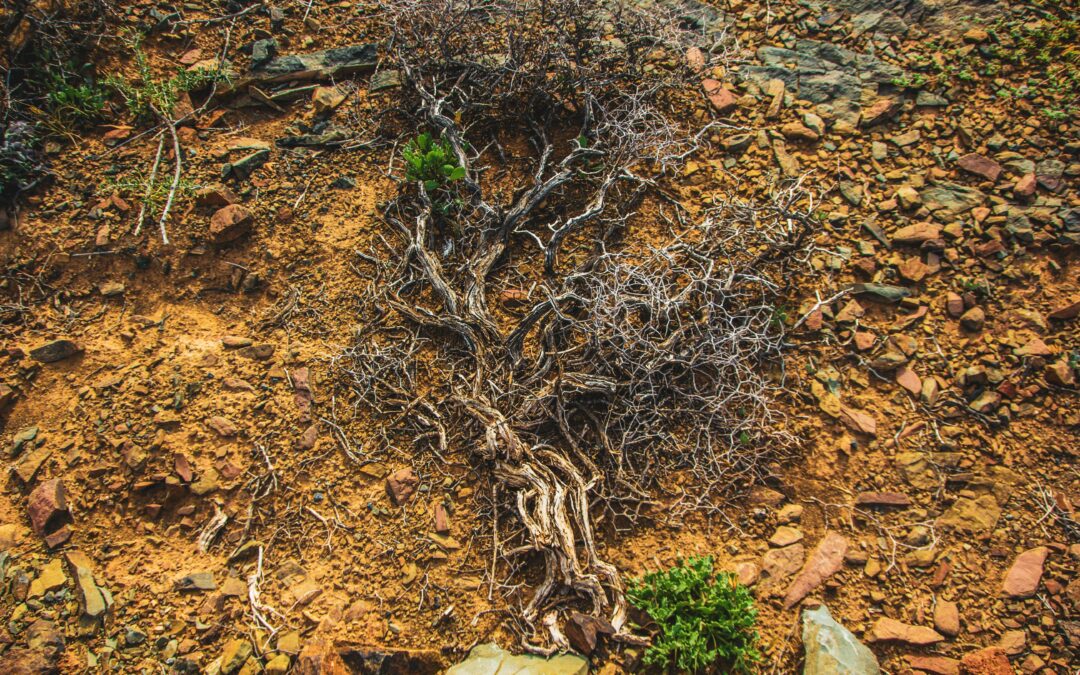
(149, 97)
(704, 618)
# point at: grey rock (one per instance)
(245, 166)
(490, 659)
(952, 199)
(832, 649)
(385, 79)
(927, 99)
(54, 351)
(331, 63)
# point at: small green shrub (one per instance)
(704, 619)
(149, 96)
(431, 162)
(74, 103)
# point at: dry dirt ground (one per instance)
(937, 433)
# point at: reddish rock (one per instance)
(858, 421)
(1060, 373)
(215, 197)
(825, 561)
(1025, 187)
(989, 661)
(223, 426)
(1022, 579)
(917, 233)
(230, 223)
(947, 618)
(722, 100)
(780, 563)
(442, 519)
(973, 319)
(58, 537)
(1067, 312)
(319, 657)
(980, 166)
(584, 632)
(909, 379)
(695, 59)
(936, 665)
(47, 507)
(864, 340)
(954, 305)
(882, 499)
(880, 111)
(401, 486)
(851, 311)
(1035, 347)
(891, 630)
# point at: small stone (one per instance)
(234, 654)
(50, 578)
(57, 350)
(880, 111)
(832, 649)
(279, 665)
(972, 515)
(918, 233)
(223, 426)
(1025, 187)
(886, 629)
(780, 563)
(229, 223)
(111, 289)
(47, 507)
(989, 661)
(882, 499)
(973, 319)
(980, 166)
(235, 342)
(1022, 579)
(1013, 642)
(215, 197)
(789, 513)
(935, 665)
(584, 632)
(785, 536)
(722, 100)
(858, 421)
(327, 99)
(196, 581)
(401, 486)
(826, 559)
(442, 519)
(947, 618)
(747, 573)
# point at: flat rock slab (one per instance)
(1022, 579)
(891, 630)
(832, 649)
(825, 561)
(331, 63)
(490, 659)
(54, 351)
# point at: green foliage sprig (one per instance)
(148, 96)
(432, 162)
(704, 619)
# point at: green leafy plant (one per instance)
(703, 618)
(74, 102)
(147, 97)
(432, 162)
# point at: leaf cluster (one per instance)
(704, 619)
(432, 162)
